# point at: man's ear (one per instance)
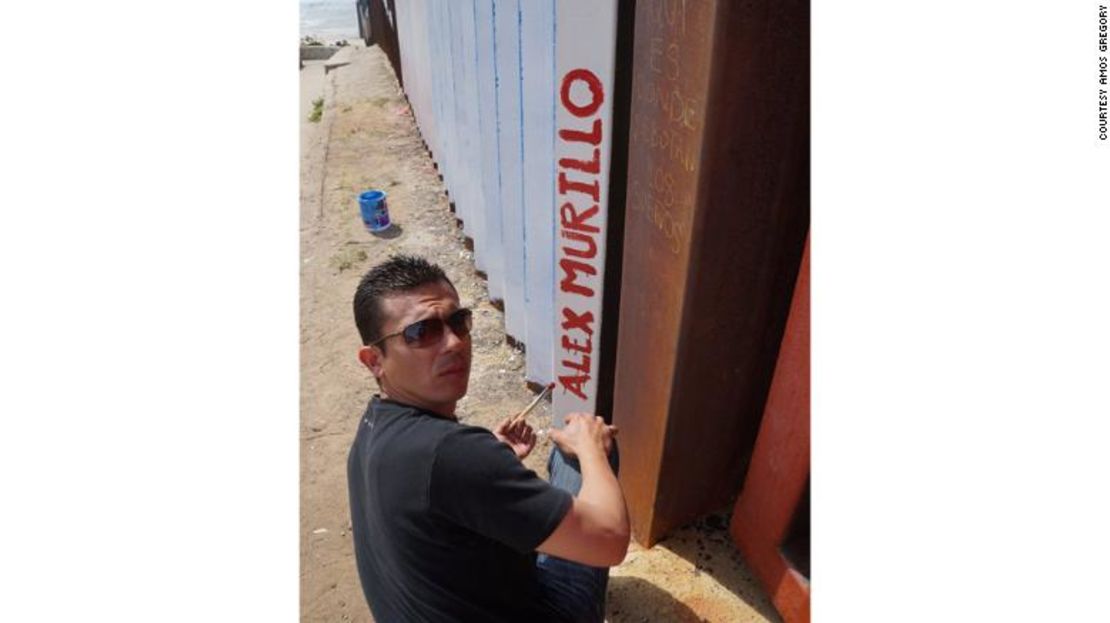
(371, 357)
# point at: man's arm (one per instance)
(595, 530)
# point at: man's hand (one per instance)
(584, 432)
(519, 436)
(595, 531)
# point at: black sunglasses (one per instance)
(428, 331)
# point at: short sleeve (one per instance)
(477, 482)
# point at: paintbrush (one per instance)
(522, 414)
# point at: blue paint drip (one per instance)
(480, 152)
(523, 170)
(474, 13)
(456, 135)
(497, 115)
(554, 173)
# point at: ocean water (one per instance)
(329, 20)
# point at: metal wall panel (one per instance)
(718, 210)
(510, 137)
(384, 33)
(412, 24)
(489, 159)
(473, 196)
(774, 493)
(442, 91)
(584, 70)
(537, 19)
(462, 112)
(658, 219)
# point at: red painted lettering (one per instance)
(592, 166)
(573, 384)
(597, 94)
(593, 137)
(581, 366)
(571, 219)
(569, 344)
(591, 247)
(566, 186)
(572, 320)
(571, 270)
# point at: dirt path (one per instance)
(367, 138)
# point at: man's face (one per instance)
(434, 376)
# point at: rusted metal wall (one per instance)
(383, 32)
(716, 216)
(362, 12)
(774, 490)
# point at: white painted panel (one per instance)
(584, 64)
(419, 28)
(444, 91)
(538, 72)
(422, 32)
(412, 58)
(428, 123)
(507, 16)
(413, 42)
(457, 146)
(472, 145)
(490, 164)
(431, 107)
(447, 68)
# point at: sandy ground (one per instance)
(368, 138)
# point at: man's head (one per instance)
(415, 340)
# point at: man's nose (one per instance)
(453, 341)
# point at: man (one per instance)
(448, 524)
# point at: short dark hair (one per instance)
(400, 273)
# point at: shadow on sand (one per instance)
(394, 231)
(707, 545)
(634, 600)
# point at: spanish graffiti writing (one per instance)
(674, 144)
(667, 120)
(663, 212)
(669, 14)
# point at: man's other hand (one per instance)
(519, 436)
(584, 432)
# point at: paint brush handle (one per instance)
(533, 404)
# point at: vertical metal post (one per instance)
(774, 493)
(716, 217)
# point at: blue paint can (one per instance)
(375, 213)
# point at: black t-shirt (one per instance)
(445, 519)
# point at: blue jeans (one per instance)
(573, 591)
